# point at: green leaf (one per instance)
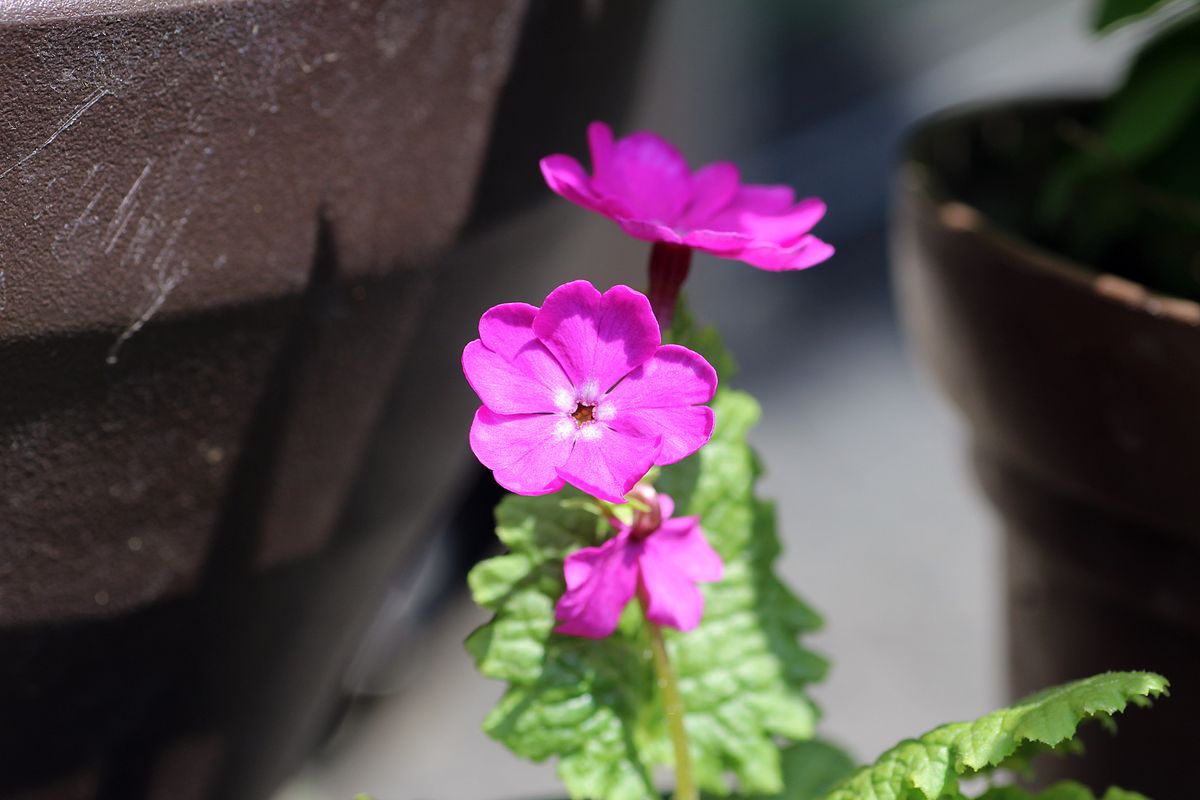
(594, 705)
(810, 769)
(594, 708)
(1049, 718)
(930, 766)
(1067, 790)
(703, 339)
(1113, 13)
(1158, 97)
(574, 698)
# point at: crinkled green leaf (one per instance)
(578, 699)
(929, 767)
(1112, 13)
(812, 767)
(1067, 790)
(1048, 718)
(910, 770)
(594, 705)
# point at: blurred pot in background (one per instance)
(1046, 259)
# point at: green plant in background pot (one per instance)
(1125, 195)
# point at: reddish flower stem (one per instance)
(669, 267)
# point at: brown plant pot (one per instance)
(1082, 392)
(216, 245)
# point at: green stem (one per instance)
(685, 784)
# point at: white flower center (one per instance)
(582, 407)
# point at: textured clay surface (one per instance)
(168, 161)
(164, 164)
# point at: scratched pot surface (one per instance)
(218, 219)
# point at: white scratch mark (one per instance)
(160, 261)
(74, 226)
(91, 204)
(155, 304)
(3, 291)
(92, 99)
(137, 243)
(72, 253)
(65, 237)
(162, 284)
(124, 211)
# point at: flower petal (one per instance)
(785, 229)
(600, 582)
(719, 243)
(523, 451)
(684, 429)
(713, 187)
(516, 387)
(671, 598)
(607, 463)
(565, 177)
(598, 339)
(760, 199)
(674, 376)
(807, 252)
(507, 331)
(673, 559)
(666, 505)
(645, 173)
(600, 145)
(648, 231)
(507, 328)
(680, 542)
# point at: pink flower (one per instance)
(643, 184)
(661, 564)
(581, 391)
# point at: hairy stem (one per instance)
(685, 784)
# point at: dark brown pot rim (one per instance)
(958, 215)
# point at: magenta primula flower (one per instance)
(581, 391)
(661, 562)
(643, 184)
